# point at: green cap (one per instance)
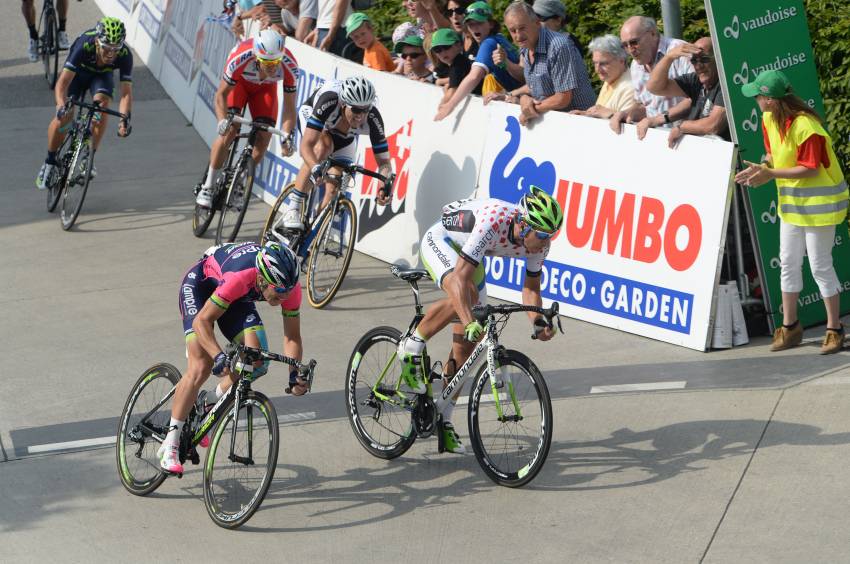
(479, 12)
(354, 21)
(771, 83)
(412, 40)
(444, 37)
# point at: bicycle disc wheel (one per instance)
(510, 438)
(76, 183)
(142, 427)
(382, 427)
(49, 47)
(331, 253)
(202, 217)
(236, 202)
(241, 461)
(273, 228)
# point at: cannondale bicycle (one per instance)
(326, 243)
(232, 191)
(509, 415)
(244, 437)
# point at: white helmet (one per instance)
(357, 91)
(268, 44)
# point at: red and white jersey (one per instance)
(242, 65)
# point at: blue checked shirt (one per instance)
(557, 68)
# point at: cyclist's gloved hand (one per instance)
(125, 127)
(61, 111)
(219, 363)
(473, 331)
(287, 146)
(223, 126)
(316, 173)
(542, 329)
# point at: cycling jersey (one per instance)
(227, 276)
(324, 111)
(242, 65)
(82, 58)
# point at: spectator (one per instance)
(375, 56)
(456, 12)
(617, 93)
(302, 18)
(411, 51)
(447, 47)
(428, 14)
(553, 16)
(647, 47)
(812, 201)
(401, 32)
(248, 10)
(555, 76)
(485, 30)
(327, 36)
(707, 112)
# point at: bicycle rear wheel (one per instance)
(511, 436)
(241, 461)
(273, 229)
(76, 183)
(142, 428)
(235, 202)
(49, 46)
(331, 254)
(382, 427)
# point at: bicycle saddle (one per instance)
(408, 274)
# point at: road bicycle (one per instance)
(326, 243)
(70, 179)
(232, 191)
(243, 443)
(48, 42)
(509, 410)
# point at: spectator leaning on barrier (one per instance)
(485, 30)
(375, 56)
(617, 93)
(707, 114)
(401, 32)
(647, 47)
(813, 199)
(329, 35)
(447, 47)
(415, 62)
(555, 76)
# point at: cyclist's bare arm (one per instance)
(60, 91)
(310, 147)
(290, 103)
(461, 290)
(531, 296)
(221, 99)
(125, 106)
(385, 168)
(203, 325)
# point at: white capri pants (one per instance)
(794, 243)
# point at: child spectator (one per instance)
(410, 49)
(359, 29)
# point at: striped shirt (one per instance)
(558, 67)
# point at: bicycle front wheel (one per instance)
(76, 183)
(241, 461)
(142, 428)
(63, 157)
(49, 46)
(510, 420)
(331, 254)
(382, 426)
(202, 216)
(235, 202)
(273, 229)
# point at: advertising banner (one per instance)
(751, 37)
(182, 52)
(644, 224)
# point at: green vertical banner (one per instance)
(751, 37)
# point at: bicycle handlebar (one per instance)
(481, 313)
(94, 107)
(259, 125)
(237, 353)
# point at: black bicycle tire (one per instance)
(201, 216)
(50, 48)
(248, 185)
(241, 517)
(68, 222)
(145, 487)
(511, 479)
(267, 226)
(54, 189)
(375, 447)
(315, 255)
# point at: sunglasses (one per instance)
(110, 48)
(359, 111)
(440, 48)
(542, 235)
(701, 59)
(455, 12)
(269, 62)
(263, 284)
(632, 42)
(411, 55)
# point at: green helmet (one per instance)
(541, 211)
(111, 30)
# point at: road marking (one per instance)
(485, 398)
(108, 441)
(637, 387)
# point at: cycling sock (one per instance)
(51, 157)
(173, 436)
(296, 199)
(218, 391)
(33, 31)
(212, 177)
(449, 410)
(62, 24)
(414, 344)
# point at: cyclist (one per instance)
(251, 73)
(330, 122)
(453, 251)
(28, 9)
(222, 287)
(93, 57)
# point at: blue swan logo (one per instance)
(524, 174)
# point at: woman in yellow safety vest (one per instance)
(813, 199)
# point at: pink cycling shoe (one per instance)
(168, 459)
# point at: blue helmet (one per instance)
(277, 265)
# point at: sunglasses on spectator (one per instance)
(455, 12)
(356, 110)
(701, 59)
(440, 48)
(262, 285)
(632, 42)
(542, 235)
(411, 55)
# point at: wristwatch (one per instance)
(666, 117)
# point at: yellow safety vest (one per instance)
(812, 202)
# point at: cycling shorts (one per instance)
(94, 82)
(343, 148)
(260, 98)
(439, 255)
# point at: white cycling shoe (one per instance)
(42, 181)
(63, 41)
(168, 459)
(204, 198)
(32, 50)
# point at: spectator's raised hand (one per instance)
(683, 50)
(500, 58)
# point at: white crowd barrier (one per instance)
(641, 246)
